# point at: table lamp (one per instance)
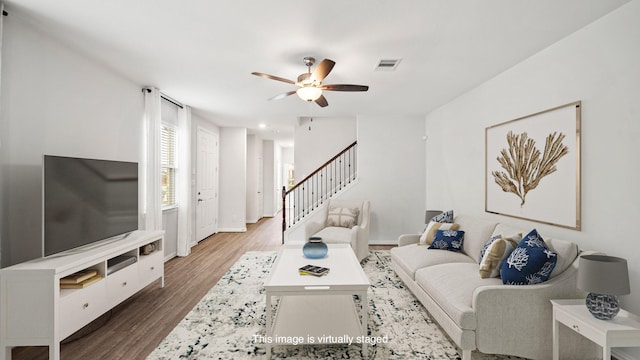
(604, 277)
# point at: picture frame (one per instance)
(532, 167)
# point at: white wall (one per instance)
(599, 65)
(233, 180)
(391, 175)
(253, 142)
(270, 187)
(327, 137)
(288, 162)
(54, 101)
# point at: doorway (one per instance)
(206, 184)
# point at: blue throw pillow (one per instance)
(448, 240)
(530, 263)
(445, 217)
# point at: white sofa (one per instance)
(483, 314)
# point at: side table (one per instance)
(622, 331)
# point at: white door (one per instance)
(206, 184)
(260, 188)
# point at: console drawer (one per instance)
(150, 268)
(122, 284)
(81, 306)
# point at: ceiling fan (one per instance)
(310, 85)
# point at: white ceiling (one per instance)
(202, 52)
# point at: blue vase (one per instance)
(315, 249)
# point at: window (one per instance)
(168, 164)
(168, 150)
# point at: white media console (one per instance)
(35, 311)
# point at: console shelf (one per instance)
(34, 310)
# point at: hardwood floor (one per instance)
(134, 328)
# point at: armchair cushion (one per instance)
(343, 216)
(336, 235)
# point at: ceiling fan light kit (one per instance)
(310, 83)
(309, 93)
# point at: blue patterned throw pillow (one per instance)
(448, 240)
(530, 263)
(445, 217)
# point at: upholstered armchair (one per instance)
(344, 222)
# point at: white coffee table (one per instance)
(317, 310)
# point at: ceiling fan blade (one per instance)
(344, 87)
(322, 70)
(282, 96)
(272, 77)
(322, 101)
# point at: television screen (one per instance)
(87, 200)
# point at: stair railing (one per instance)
(312, 191)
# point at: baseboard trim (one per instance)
(232, 229)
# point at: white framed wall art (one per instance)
(532, 167)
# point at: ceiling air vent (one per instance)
(387, 65)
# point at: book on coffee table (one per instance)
(313, 270)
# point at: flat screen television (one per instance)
(86, 201)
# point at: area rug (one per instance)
(229, 322)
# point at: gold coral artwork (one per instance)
(523, 164)
(532, 167)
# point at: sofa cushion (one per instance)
(411, 258)
(448, 240)
(430, 232)
(476, 233)
(452, 287)
(498, 249)
(508, 231)
(566, 253)
(530, 263)
(335, 235)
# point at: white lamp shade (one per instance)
(309, 93)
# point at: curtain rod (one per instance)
(172, 101)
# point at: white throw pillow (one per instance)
(343, 217)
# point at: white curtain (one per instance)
(1, 130)
(150, 163)
(183, 181)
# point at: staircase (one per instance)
(310, 193)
